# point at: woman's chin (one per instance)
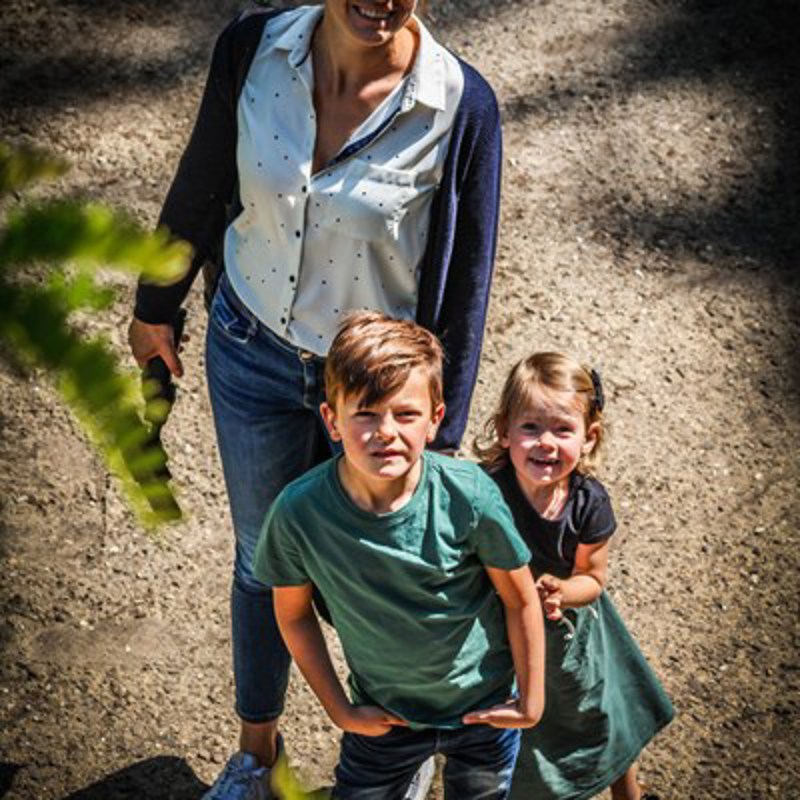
(372, 31)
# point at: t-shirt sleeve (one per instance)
(278, 558)
(495, 537)
(597, 521)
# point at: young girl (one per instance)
(603, 703)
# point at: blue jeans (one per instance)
(265, 395)
(480, 762)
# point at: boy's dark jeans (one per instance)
(480, 762)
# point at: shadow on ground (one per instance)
(746, 48)
(745, 57)
(46, 67)
(70, 71)
(7, 773)
(161, 778)
(749, 48)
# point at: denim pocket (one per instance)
(230, 320)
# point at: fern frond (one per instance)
(106, 399)
(34, 320)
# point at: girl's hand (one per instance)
(503, 715)
(369, 721)
(552, 596)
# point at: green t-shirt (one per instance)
(422, 629)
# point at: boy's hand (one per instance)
(369, 721)
(552, 596)
(503, 715)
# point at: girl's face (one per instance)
(370, 22)
(546, 439)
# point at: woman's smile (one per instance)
(379, 17)
(372, 13)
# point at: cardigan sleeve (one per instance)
(461, 263)
(195, 206)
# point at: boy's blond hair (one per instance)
(372, 356)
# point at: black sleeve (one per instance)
(462, 246)
(596, 521)
(195, 207)
(466, 299)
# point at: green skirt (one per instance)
(603, 704)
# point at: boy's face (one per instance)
(384, 441)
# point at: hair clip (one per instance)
(599, 397)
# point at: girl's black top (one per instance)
(587, 518)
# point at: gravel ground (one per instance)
(650, 226)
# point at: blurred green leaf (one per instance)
(287, 785)
(89, 234)
(36, 327)
(80, 291)
(22, 166)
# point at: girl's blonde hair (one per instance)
(555, 372)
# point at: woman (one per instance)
(341, 159)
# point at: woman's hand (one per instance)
(148, 341)
(503, 715)
(551, 592)
(368, 720)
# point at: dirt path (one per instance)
(650, 225)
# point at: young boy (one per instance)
(423, 572)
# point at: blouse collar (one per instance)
(424, 84)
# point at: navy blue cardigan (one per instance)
(456, 270)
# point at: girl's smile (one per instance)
(546, 441)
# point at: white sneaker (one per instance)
(421, 782)
(241, 779)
